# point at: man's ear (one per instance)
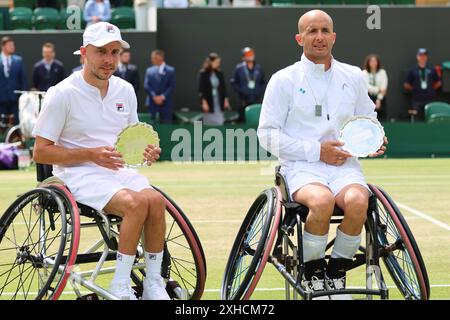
(299, 40)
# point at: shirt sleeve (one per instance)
(274, 112)
(133, 118)
(364, 105)
(52, 118)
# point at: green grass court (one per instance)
(216, 197)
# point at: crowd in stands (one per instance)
(248, 81)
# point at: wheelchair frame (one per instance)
(64, 263)
(287, 257)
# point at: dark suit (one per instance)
(241, 84)
(156, 84)
(130, 74)
(205, 89)
(44, 79)
(15, 81)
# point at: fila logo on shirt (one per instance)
(120, 107)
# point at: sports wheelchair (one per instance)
(43, 249)
(272, 232)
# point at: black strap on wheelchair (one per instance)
(43, 171)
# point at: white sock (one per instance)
(153, 264)
(124, 264)
(314, 246)
(345, 246)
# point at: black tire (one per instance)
(33, 241)
(399, 250)
(257, 224)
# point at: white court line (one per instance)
(257, 289)
(424, 216)
(283, 289)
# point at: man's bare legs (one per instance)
(140, 210)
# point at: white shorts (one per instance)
(301, 173)
(95, 186)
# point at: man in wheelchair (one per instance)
(304, 106)
(79, 122)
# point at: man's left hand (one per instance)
(151, 154)
(381, 150)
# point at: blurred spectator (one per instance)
(77, 3)
(80, 67)
(422, 81)
(128, 71)
(248, 81)
(176, 3)
(159, 84)
(48, 71)
(246, 3)
(212, 91)
(97, 10)
(377, 83)
(12, 77)
(145, 14)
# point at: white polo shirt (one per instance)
(290, 126)
(75, 116)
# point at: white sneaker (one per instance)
(314, 286)
(122, 289)
(337, 284)
(155, 289)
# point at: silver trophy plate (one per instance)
(362, 136)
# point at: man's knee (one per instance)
(356, 204)
(322, 203)
(155, 201)
(136, 206)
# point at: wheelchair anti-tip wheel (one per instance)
(252, 246)
(399, 250)
(39, 233)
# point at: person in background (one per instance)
(248, 81)
(12, 77)
(176, 3)
(80, 67)
(96, 11)
(212, 91)
(377, 82)
(159, 84)
(422, 81)
(128, 71)
(48, 71)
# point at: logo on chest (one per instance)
(120, 107)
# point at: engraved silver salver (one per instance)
(362, 136)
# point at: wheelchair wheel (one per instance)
(252, 246)
(13, 134)
(184, 263)
(399, 250)
(36, 233)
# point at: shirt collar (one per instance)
(161, 68)
(313, 68)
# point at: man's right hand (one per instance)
(107, 157)
(205, 106)
(330, 154)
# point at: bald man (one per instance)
(303, 109)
